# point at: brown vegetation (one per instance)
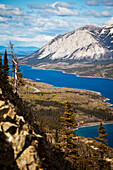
(48, 104)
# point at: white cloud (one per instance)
(3, 19)
(105, 13)
(59, 8)
(62, 4)
(21, 27)
(54, 5)
(9, 11)
(37, 6)
(30, 30)
(99, 2)
(92, 2)
(25, 28)
(63, 11)
(110, 21)
(39, 39)
(98, 14)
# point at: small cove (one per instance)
(93, 132)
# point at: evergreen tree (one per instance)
(67, 141)
(68, 118)
(56, 135)
(102, 134)
(20, 76)
(5, 68)
(102, 148)
(6, 88)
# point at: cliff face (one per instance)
(17, 142)
(88, 43)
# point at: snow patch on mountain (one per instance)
(88, 42)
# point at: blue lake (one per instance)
(58, 78)
(93, 132)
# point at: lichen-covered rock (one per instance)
(17, 142)
(1, 104)
(28, 159)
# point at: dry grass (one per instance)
(84, 102)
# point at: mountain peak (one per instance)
(87, 43)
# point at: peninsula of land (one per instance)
(48, 103)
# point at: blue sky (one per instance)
(35, 22)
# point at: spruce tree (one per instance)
(67, 141)
(68, 117)
(56, 135)
(102, 148)
(6, 88)
(20, 77)
(102, 134)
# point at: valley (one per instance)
(48, 104)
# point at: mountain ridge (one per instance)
(87, 43)
(19, 50)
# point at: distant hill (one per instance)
(18, 50)
(88, 43)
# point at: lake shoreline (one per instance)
(99, 93)
(69, 73)
(106, 99)
(91, 124)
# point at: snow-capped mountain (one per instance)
(87, 43)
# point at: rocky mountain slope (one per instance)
(88, 43)
(17, 150)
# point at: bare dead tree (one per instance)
(14, 66)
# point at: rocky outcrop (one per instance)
(88, 43)
(17, 142)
